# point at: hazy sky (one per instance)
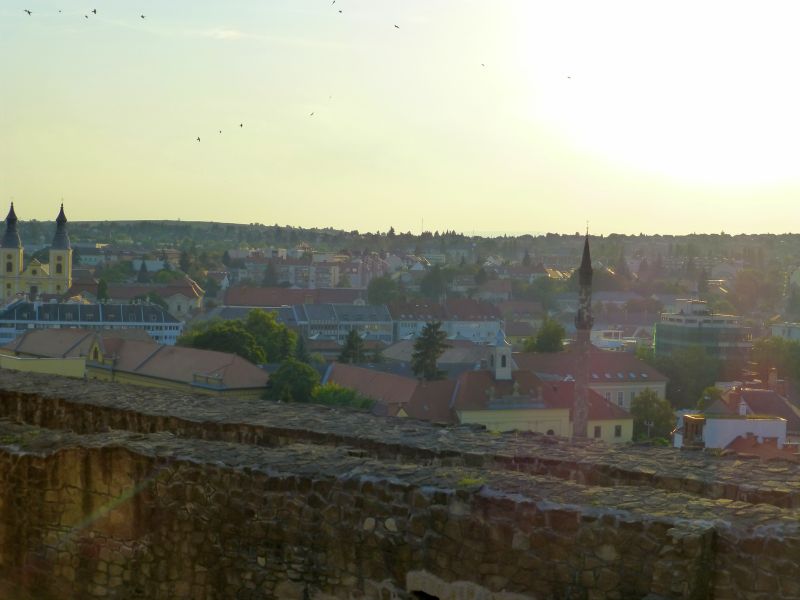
(644, 116)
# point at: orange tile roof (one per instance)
(604, 366)
(175, 363)
(281, 296)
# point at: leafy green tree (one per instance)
(300, 351)
(481, 276)
(143, 276)
(689, 370)
(549, 338)
(344, 281)
(526, 260)
(102, 290)
(428, 347)
(276, 340)
(382, 290)
(710, 395)
(225, 336)
(353, 351)
(434, 283)
(270, 275)
(777, 353)
(652, 416)
(332, 394)
(294, 381)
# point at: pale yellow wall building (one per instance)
(34, 278)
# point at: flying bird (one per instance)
(340, 12)
(241, 124)
(29, 12)
(483, 65)
(142, 16)
(311, 115)
(198, 138)
(397, 26)
(220, 130)
(94, 10)
(85, 16)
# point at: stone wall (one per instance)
(110, 495)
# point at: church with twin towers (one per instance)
(33, 278)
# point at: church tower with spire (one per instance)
(20, 278)
(583, 326)
(12, 252)
(60, 257)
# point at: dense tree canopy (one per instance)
(689, 370)
(382, 290)
(652, 416)
(549, 338)
(225, 336)
(259, 338)
(353, 350)
(294, 381)
(428, 347)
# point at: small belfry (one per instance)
(583, 326)
(19, 279)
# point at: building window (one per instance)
(95, 354)
(620, 398)
(503, 361)
(58, 258)
(597, 431)
(9, 267)
(617, 431)
(59, 268)
(608, 396)
(550, 432)
(34, 271)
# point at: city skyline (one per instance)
(516, 117)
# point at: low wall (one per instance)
(111, 496)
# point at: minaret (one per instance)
(60, 257)
(583, 325)
(11, 247)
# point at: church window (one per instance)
(95, 354)
(9, 267)
(59, 268)
(503, 361)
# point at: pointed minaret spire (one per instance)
(584, 320)
(11, 236)
(583, 344)
(61, 238)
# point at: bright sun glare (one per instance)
(699, 91)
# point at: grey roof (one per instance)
(354, 313)
(87, 313)
(319, 312)
(61, 238)
(11, 235)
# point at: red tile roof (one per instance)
(604, 366)
(426, 400)
(760, 402)
(65, 343)
(175, 363)
(118, 291)
(472, 394)
(280, 296)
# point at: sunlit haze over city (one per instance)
(511, 116)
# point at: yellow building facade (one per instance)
(18, 278)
